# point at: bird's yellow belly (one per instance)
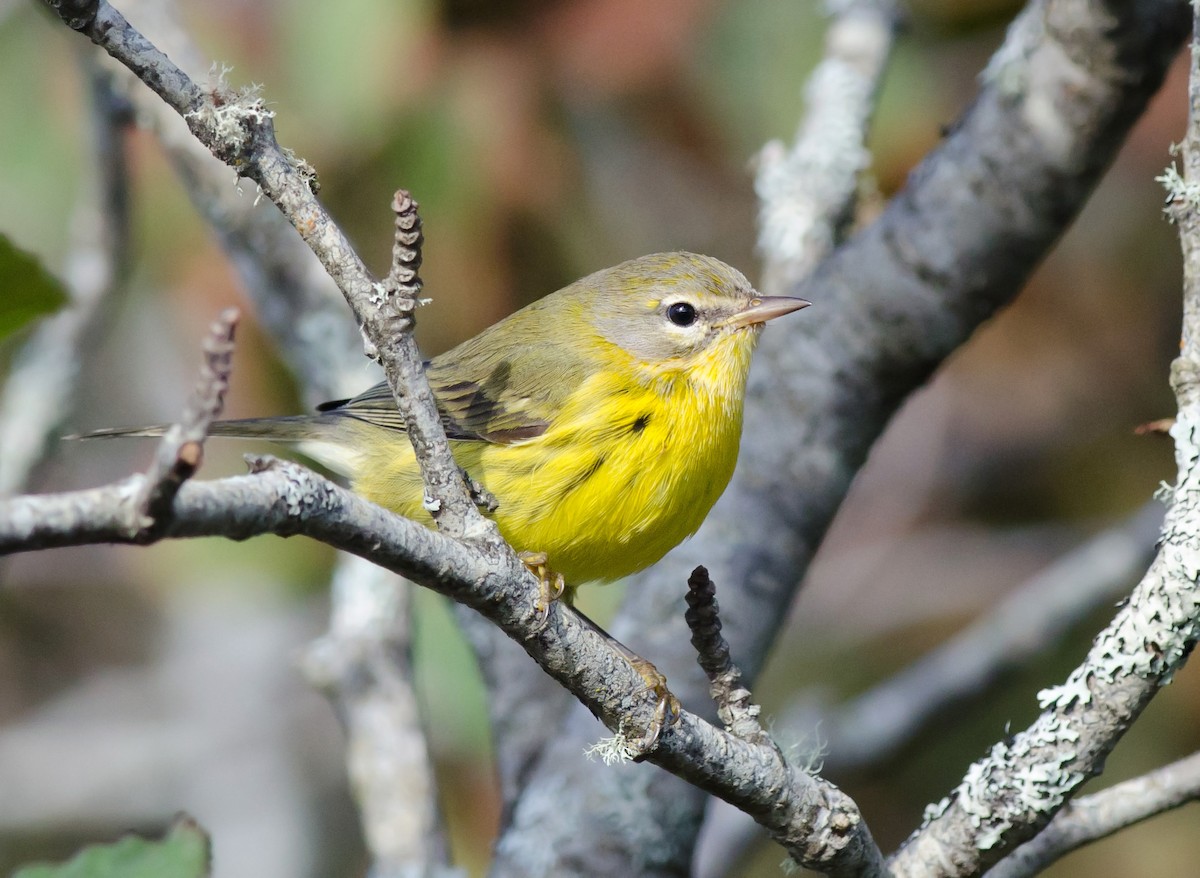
(607, 490)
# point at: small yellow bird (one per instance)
(604, 419)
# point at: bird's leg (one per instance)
(553, 587)
(551, 583)
(666, 711)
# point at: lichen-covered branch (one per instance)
(1016, 789)
(1091, 818)
(1013, 792)
(364, 664)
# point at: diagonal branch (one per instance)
(873, 726)
(1101, 814)
(1018, 787)
(869, 729)
(818, 824)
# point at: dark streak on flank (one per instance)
(640, 424)
(583, 475)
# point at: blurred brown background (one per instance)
(545, 139)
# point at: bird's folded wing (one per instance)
(470, 411)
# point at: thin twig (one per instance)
(182, 446)
(734, 707)
(388, 330)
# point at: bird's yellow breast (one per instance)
(626, 470)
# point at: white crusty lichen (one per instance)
(1008, 69)
(379, 294)
(300, 165)
(1017, 780)
(807, 752)
(934, 810)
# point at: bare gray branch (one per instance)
(815, 821)
(807, 193)
(37, 396)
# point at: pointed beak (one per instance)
(763, 308)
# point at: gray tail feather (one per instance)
(291, 429)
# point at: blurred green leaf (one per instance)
(183, 853)
(27, 290)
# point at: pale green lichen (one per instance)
(1180, 190)
(614, 750)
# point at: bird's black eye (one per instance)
(681, 314)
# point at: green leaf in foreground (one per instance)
(27, 290)
(182, 853)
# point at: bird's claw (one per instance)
(551, 585)
(666, 711)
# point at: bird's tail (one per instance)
(326, 438)
(298, 428)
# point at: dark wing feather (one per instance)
(469, 411)
(506, 384)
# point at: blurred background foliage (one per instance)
(545, 139)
